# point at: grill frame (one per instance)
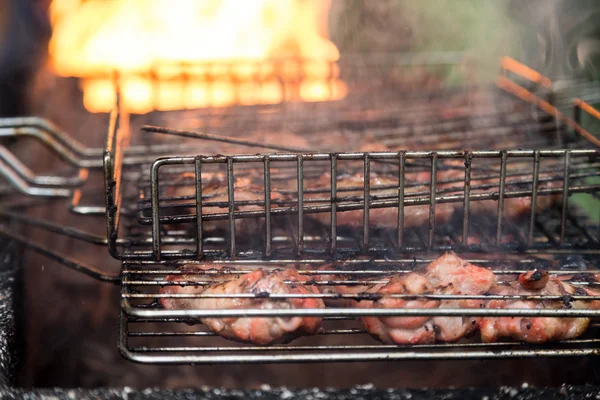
(217, 353)
(117, 158)
(299, 354)
(508, 66)
(359, 203)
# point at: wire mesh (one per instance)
(355, 197)
(500, 201)
(499, 183)
(152, 334)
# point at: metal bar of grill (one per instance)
(501, 198)
(208, 136)
(334, 348)
(432, 200)
(351, 357)
(199, 235)
(536, 177)
(467, 197)
(366, 201)
(231, 202)
(333, 221)
(401, 184)
(155, 213)
(300, 183)
(359, 297)
(565, 196)
(268, 235)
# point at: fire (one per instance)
(168, 54)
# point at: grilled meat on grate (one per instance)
(537, 329)
(257, 330)
(450, 178)
(215, 196)
(448, 274)
(384, 186)
(451, 275)
(401, 330)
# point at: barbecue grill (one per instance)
(522, 143)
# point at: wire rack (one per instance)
(162, 336)
(165, 212)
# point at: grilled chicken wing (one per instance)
(450, 275)
(214, 190)
(450, 180)
(401, 330)
(257, 330)
(537, 329)
(451, 271)
(382, 187)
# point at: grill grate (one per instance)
(516, 182)
(495, 175)
(161, 217)
(165, 336)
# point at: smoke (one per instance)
(557, 37)
(481, 28)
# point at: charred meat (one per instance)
(537, 329)
(448, 275)
(215, 200)
(383, 187)
(261, 283)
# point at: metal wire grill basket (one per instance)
(508, 209)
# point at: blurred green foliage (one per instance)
(586, 201)
(482, 28)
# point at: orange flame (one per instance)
(195, 53)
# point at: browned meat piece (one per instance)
(184, 184)
(380, 185)
(449, 275)
(205, 273)
(257, 330)
(335, 283)
(517, 206)
(214, 190)
(536, 329)
(451, 271)
(534, 280)
(401, 330)
(514, 207)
